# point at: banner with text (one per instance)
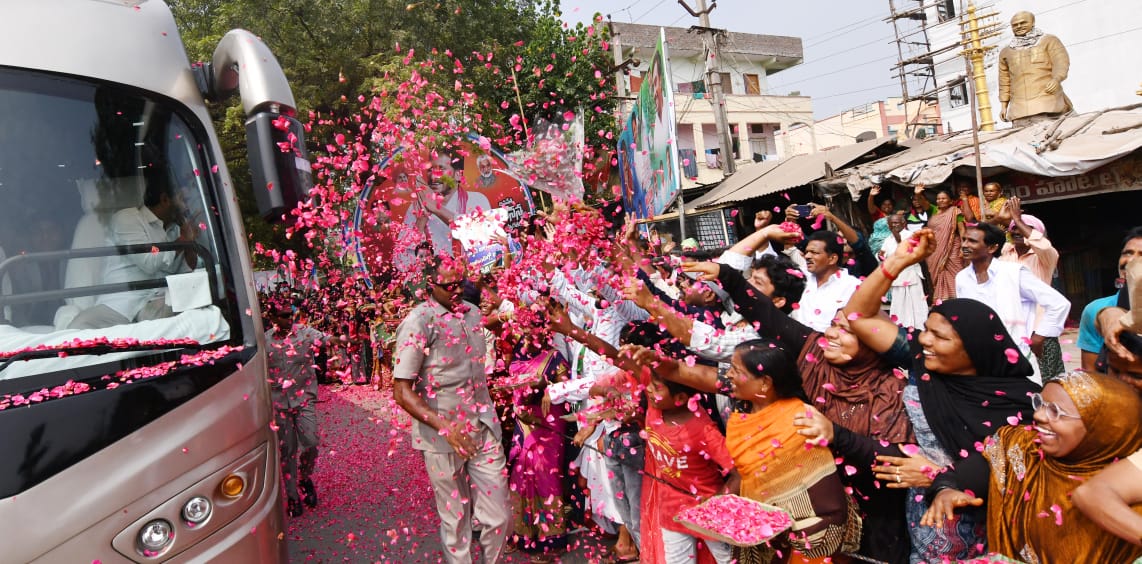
(1119, 176)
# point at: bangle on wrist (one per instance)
(890, 276)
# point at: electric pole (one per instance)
(714, 80)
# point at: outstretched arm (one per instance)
(700, 377)
(863, 309)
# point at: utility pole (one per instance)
(974, 50)
(714, 80)
(620, 69)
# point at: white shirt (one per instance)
(821, 300)
(910, 276)
(607, 324)
(1013, 291)
(440, 233)
(138, 226)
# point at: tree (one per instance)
(337, 52)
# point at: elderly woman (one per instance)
(1083, 422)
(966, 379)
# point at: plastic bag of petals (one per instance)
(554, 161)
(736, 520)
(991, 559)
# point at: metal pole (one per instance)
(977, 71)
(975, 126)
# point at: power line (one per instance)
(646, 13)
(827, 39)
(786, 84)
(855, 91)
(846, 26)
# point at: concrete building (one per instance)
(1099, 37)
(882, 118)
(746, 63)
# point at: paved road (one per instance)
(376, 503)
(375, 500)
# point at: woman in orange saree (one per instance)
(778, 467)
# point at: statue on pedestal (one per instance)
(1032, 69)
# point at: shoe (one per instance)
(308, 492)
(295, 508)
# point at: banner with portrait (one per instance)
(647, 147)
(410, 211)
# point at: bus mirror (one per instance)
(279, 167)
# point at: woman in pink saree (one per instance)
(536, 457)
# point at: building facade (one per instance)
(1104, 71)
(754, 115)
(882, 118)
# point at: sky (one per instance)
(849, 48)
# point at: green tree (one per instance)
(336, 53)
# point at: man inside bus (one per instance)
(162, 218)
(439, 379)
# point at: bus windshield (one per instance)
(111, 254)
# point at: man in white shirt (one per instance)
(162, 218)
(446, 199)
(828, 287)
(1013, 291)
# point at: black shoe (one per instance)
(295, 508)
(308, 492)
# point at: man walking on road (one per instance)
(439, 380)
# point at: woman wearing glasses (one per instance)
(1082, 423)
(966, 379)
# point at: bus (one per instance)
(135, 416)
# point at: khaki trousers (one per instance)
(466, 489)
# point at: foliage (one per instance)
(337, 53)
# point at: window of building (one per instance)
(958, 94)
(752, 84)
(727, 84)
(946, 9)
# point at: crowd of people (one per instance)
(900, 394)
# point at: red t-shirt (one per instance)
(692, 457)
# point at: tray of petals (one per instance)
(514, 382)
(736, 520)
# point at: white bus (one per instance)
(135, 418)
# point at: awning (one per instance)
(1067, 147)
(769, 177)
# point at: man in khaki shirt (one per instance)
(439, 379)
(1032, 69)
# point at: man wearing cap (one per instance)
(1030, 247)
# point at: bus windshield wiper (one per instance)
(95, 347)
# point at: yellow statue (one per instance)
(1031, 71)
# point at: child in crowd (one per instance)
(687, 457)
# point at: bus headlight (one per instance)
(196, 510)
(155, 537)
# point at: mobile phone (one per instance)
(803, 210)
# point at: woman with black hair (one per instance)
(778, 466)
